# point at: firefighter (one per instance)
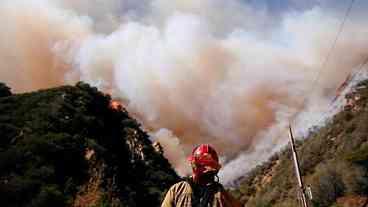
(202, 189)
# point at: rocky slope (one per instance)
(333, 159)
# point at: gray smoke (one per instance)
(228, 73)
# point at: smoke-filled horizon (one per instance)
(228, 73)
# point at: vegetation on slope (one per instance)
(67, 147)
(333, 159)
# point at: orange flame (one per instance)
(117, 105)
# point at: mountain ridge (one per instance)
(67, 146)
(333, 161)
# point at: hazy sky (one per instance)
(229, 73)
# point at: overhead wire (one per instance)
(358, 71)
(332, 48)
(325, 61)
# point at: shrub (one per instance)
(49, 196)
(327, 185)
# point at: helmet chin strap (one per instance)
(205, 178)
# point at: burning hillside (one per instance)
(67, 147)
(229, 73)
(333, 163)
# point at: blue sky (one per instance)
(280, 6)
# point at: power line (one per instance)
(313, 86)
(329, 54)
(357, 72)
(332, 48)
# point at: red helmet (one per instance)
(204, 159)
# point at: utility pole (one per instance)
(297, 169)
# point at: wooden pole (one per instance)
(297, 169)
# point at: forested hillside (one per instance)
(68, 147)
(333, 159)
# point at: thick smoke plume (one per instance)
(228, 73)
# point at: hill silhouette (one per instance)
(67, 147)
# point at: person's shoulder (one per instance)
(185, 181)
(180, 185)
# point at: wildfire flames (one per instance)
(115, 104)
(225, 73)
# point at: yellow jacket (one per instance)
(181, 195)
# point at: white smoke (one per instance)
(173, 149)
(220, 72)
